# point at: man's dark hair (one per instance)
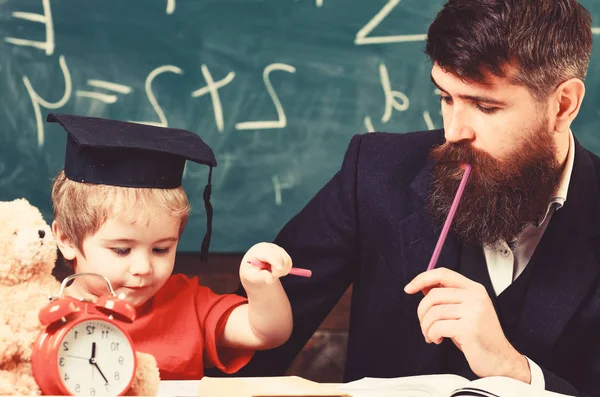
(549, 41)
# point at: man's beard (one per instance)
(501, 197)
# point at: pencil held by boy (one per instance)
(119, 211)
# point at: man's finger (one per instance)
(440, 277)
(440, 296)
(443, 329)
(439, 313)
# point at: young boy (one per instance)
(119, 211)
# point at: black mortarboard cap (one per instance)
(118, 153)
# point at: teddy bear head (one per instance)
(27, 248)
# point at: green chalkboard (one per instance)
(276, 87)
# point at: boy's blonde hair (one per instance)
(80, 209)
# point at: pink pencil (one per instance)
(444, 233)
(295, 271)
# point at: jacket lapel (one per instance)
(565, 264)
(419, 232)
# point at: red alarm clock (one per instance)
(83, 350)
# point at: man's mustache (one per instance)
(451, 154)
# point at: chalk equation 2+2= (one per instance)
(211, 88)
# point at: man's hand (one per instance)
(460, 309)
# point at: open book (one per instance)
(442, 386)
(412, 386)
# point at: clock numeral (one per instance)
(76, 332)
(105, 334)
(117, 376)
(90, 329)
(66, 346)
(114, 346)
(121, 360)
(92, 392)
(66, 377)
(61, 362)
(77, 388)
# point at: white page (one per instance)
(413, 386)
(503, 386)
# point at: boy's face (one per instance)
(136, 256)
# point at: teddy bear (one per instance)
(27, 257)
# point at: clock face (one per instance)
(95, 359)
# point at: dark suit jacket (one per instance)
(369, 226)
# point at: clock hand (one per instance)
(92, 359)
(81, 358)
(94, 363)
(98, 368)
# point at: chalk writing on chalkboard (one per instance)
(152, 98)
(38, 101)
(105, 85)
(282, 120)
(170, 7)
(361, 36)
(393, 99)
(46, 19)
(213, 87)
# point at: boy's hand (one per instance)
(274, 255)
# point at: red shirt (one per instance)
(180, 325)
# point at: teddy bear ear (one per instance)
(59, 309)
(120, 309)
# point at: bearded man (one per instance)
(516, 290)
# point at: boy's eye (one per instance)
(160, 250)
(121, 251)
(446, 99)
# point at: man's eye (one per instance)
(160, 250)
(121, 251)
(486, 110)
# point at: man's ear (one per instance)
(67, 248)
(568, 98)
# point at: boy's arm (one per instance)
(323, 237)
(265, 321)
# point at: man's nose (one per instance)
(459, 127)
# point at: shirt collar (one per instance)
(560, 194)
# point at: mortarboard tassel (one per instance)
(209, 213)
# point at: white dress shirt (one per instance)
(506, 261)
